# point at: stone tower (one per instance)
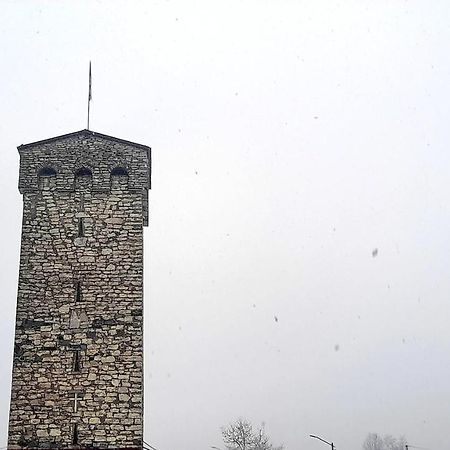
(77, 377)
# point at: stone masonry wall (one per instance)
(78, 357)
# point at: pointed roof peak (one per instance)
(84, 132)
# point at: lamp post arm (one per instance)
(323, 440)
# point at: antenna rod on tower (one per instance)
(90, 94)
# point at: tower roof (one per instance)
(82, 133)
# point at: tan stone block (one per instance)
(86, 259)
(114, 220)
(80, 241)
(108, 359)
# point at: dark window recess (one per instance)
(47, 172)
(75, 434)
(78, 294)
(83, 172)
(47, 177)
(80, 227)
(119, 172)
(76, 361)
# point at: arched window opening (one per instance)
(119, 178)
(119, 172)
(83, 178)
(47, 177)
(83, 172)
(47, 172)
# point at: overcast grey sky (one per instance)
(290, 139)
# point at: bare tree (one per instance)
(240, 435)
(391, 443)
(374, 441)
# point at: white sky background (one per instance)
(290, 139)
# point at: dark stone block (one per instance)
(33, 324)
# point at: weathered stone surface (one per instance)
(86, 230)
(80, 241)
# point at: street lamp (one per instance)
(323, 440)
(407, 446)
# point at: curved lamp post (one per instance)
(407, 446)
(331, 444)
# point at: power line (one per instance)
(146, 448)
(146, 443)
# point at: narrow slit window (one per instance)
(75, 434)
(76, 361)
(78, 293)
(80, 227)
(82, 202)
